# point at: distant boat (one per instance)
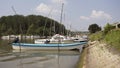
(80, 39)
(55, 39)
(67, 46)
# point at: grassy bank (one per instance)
(112, 38)
(96, 36)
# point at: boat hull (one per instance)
(42, 41)
(48, 46)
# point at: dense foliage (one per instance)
(118, 25)
(31, 25)
(108, 27)
(94, 28)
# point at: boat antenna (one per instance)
(14, 10)
(46, 20)
(17, 14)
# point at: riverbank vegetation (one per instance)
(30, 25)
(110, 35)
(113, 38)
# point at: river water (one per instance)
(10, 58)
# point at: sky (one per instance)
(77, 14)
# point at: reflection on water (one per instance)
(37, 59)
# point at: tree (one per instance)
(10, 31)
(118, 25)
(94, 28)
(39, 31)
(31, 24)
(31, 30)
(3, 29)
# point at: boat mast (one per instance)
(59, 41)
(61, 18)
(19, 27)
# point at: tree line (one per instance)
(30, 25)
(93, 28)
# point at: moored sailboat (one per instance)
(55, 39)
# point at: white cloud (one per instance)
(97, 15)
(43, 8)
(59, 1)
(46, 9)
(100, 14)
(84, 18)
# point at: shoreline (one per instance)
(100, 55)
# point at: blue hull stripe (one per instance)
(47, 45)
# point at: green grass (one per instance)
(113, 38)
(95, 36)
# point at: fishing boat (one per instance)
(68, 46)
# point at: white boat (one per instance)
(80, 38)
(55, 39)
(60, 46)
